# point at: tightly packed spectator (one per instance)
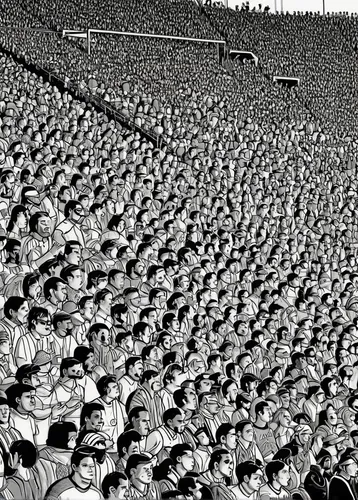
(177, 322)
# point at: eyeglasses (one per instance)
(43, 322)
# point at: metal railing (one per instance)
(81, 94)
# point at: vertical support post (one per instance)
(324, 8)
(275, 6)
(89, 42)
(282, 6)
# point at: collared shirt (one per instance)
(66, 489)
(126, 386)
(161, 438)
(8, 435)
(69, 231)
(34, 248)
(267, 491)
(64, 394)
(114, 417)
(241, 494)
(151, 492)
(28, 345)
(152, 402)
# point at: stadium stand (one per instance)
(178, 254)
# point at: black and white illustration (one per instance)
(178, 251)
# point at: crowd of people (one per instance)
(177, 323)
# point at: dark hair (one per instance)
(170, 414)
(240, 426)
(52, 284)
(26, 451)
(162, 470)
(216, 457)
(126, 439)
(36, 313)
(130, 362)
(178, 450)
(246, 469)
(18, 209)
(13, 303)
(222, 431)
(134, 412)
(112, 480)
(103, 383)
(87, 410)
(80, 453)
(58, 434)
(273, 468)
(259, 408)
(34, 219)
(82, 352)
(16, 391)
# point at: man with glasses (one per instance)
(39, 338)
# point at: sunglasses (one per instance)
(43, 322)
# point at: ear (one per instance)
(112, 490)
(246, 479)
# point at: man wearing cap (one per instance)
(48, 373)
(341, 484)
(209, 413)
(104, 463)
(302, 454)
(335, 444)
